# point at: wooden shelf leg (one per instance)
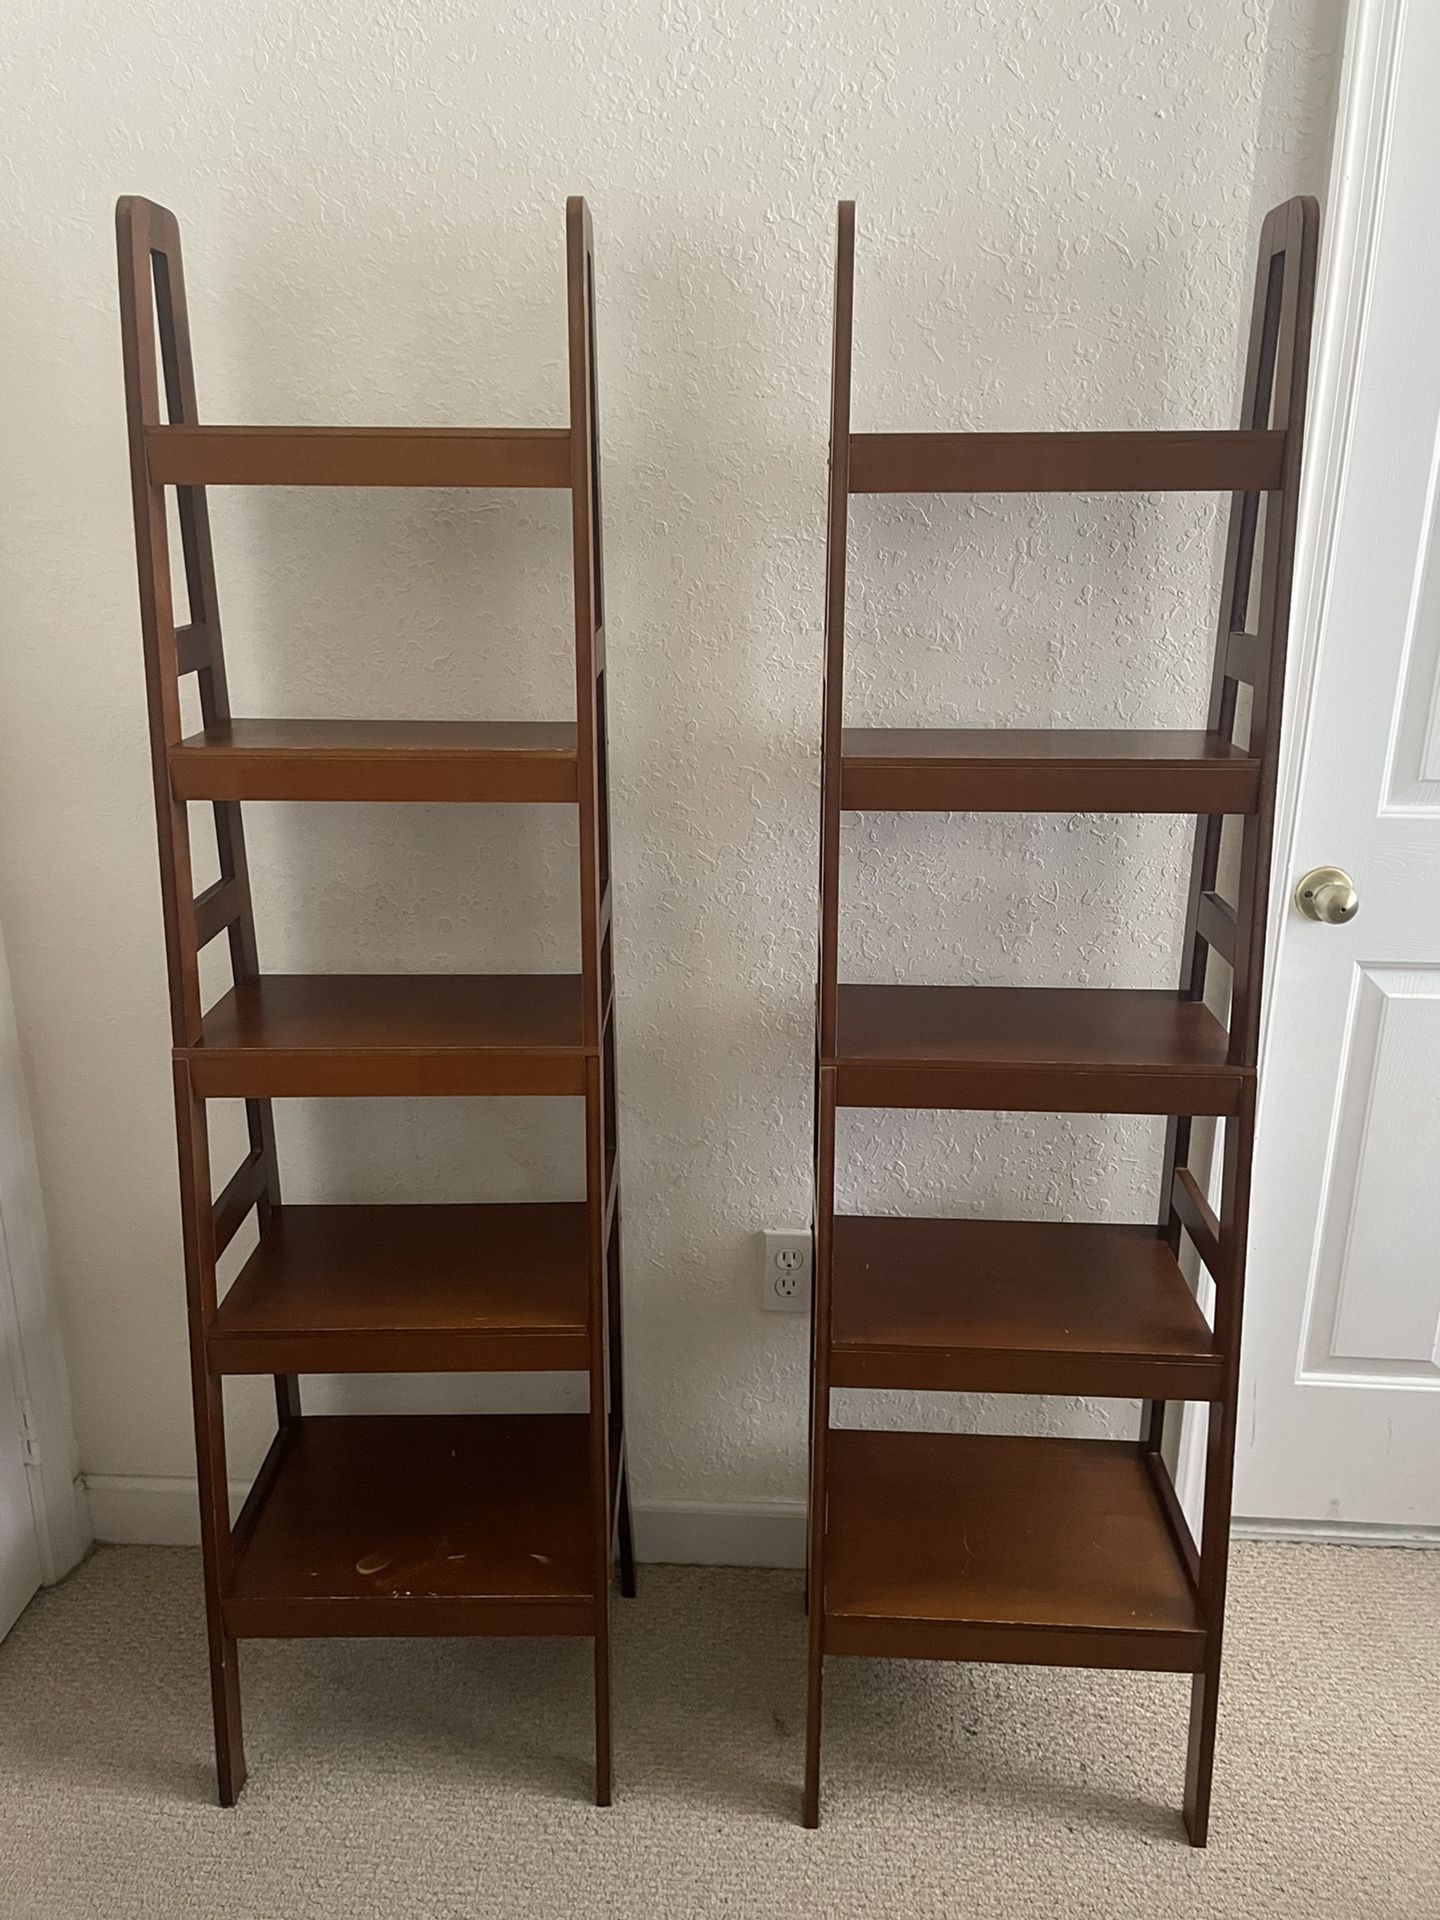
(224, 1652)
(602, 1712)
(627, 1538)
(1200, 1760)
(215, 1538)
(819, 1435)
(810, 1814)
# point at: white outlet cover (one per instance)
(785, 1270)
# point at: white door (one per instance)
(20, 1570)
(41, 1533)
(1340, 1409)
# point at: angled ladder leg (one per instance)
(1250, 650)
(837, 526)
(159, 389)
(624, 1523)
(627, 1538)
(819, 1440)
(602, 1189)
(215, 1538)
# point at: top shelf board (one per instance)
(1229, 462)
(358, 456)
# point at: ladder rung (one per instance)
(1194, 1213)
(242, 1191)
(1229, 462)
(192, 648)
(1215, 923)
(217, 908)
(1242, 658)
(359, 456)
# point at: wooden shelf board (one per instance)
(1003, 1548)
(393, 1034)
(1221, 462)
(191, 456)
(409, 1289)
(421, 760)
(1033, 1049)
(1015, 1306)
(419, 1524)
(1002, 770)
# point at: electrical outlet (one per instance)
(786, 1277)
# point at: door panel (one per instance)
(1340, 1413)
(19, 1544)
(1375, 1301)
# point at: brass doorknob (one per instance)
(1328, 894)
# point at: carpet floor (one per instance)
(440, 1779)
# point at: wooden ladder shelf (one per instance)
(356, 1525)
(1005, 1548)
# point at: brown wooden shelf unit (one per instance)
(475, 1524)
(1056, 1552)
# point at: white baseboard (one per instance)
(1335, 1533)
(720, 1533)
(136, 1510)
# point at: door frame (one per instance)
(31, 1324)
(1359, 160)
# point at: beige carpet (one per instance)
(410, 1780)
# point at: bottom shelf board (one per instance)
(418, 1524)
(1003, 1548)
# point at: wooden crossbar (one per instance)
(245, 1189)
(192, 648)
(190, 456)
(1215, 923)
(1239, 462)
(1196, 1215)
(217, 908)
(1242, 658)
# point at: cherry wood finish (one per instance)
(1015, 1306)
(955, 770)
(193, 456)
(946, 1546)
(409, 1289)
(1046, 1550)
(409, 1525)
(434, 1524)
(1046, 1049)
(1065, 462)
(421, 760)
(328, 1035)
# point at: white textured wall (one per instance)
(1057, 205)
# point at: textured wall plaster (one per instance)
(1058, 205)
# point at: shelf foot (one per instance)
(810, 1808)
(1200, 1761)
(229, 1728)
(627, 1538)
(602, 1717)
